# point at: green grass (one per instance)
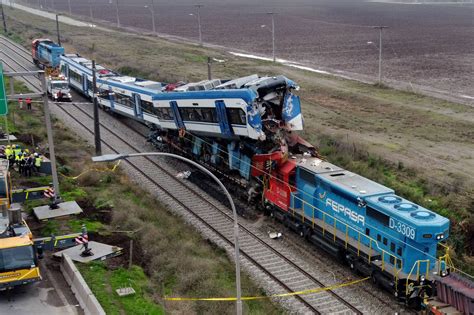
(103, 283)
(91, 225)
(50, 228)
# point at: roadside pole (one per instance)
(3, 102)
(49, 131)
(98, 146)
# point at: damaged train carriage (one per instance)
(234, 125)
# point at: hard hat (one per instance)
(8, 146)
(17, 146)
(36, 154)
(27, 151)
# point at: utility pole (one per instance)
(57, 29)
(273, 35)
(90, 9)
(209, 75)
(117, 12)
(49, 131)
(153, 16)
(152, 11)
(380, 28)
(3, 19)
(98, 148)
(198, 6)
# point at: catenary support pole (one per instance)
(98, 145)
(49, 131)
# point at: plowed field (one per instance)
(427, 45)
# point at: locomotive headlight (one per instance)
(439, 236)
(422, 278)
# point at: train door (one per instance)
(138, 105)
(226, 128)
(84, 84)
(177, 115)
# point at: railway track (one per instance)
(255, 248)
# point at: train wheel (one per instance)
(375, 279)
(352, 265)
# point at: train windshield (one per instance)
(17, 258)
(60, 85)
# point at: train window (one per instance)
(379, 238)
(379, 216)
(399, 251)
(208, 114)
(307, 176)
(399, 263)
(89, 85)
(385, 241)
(147, 107)
(392, 247)
(124, 100)
(166, 113)
(74, 76)
(367, 231)
(236, 116)
(392, 260)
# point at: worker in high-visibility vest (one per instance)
(21, 163)
(38, 161)
(16, 150)
(8, 152)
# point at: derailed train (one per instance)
(245, 130)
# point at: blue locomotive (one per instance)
(376, 232)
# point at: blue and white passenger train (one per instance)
(243, 129)
(229, 109)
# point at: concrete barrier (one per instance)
(79, 287)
